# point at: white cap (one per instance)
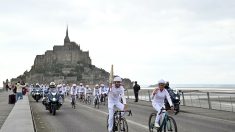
(161, 81)
(117, 79)
(80, 84)
(97, 85)
(87, 86)
(102, 85)
(74, 85)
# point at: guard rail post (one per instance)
(183, 99)
(209, 100)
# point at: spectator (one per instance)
(136, 91)
(7, 87)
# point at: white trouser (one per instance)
(74, 98)
(158, 107)
(88, 94)
(111, 105)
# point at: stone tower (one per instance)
(66, 39)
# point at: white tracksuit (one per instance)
(96, 92)
(73, 91)
(114, 95)
(88, 92)
(158, 101)
(103, 90)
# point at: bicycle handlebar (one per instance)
(119, 111)
(166, 110)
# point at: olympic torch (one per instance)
(111, 78)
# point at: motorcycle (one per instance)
(54, 102)
(36, 94)
(175, 97)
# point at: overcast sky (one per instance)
(183, 41)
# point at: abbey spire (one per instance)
(66, 39)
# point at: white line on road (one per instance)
(207, 117)
(129, 121)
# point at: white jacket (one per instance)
(114, 95)
(160, 96)
(103, 90)
(73, 91)
(96, 91)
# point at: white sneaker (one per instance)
(156, 124)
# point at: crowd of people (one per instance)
(114, 93)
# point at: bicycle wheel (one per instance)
(152, 118)
(122, 125)
(170, 125)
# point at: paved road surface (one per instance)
(86, 118)
(5, 108)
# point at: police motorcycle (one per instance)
(54, 100)
(37, 92)
(175, 97)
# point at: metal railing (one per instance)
(211, 100)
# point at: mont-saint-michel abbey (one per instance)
(66, 63)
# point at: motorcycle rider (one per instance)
(53, 89)
(115, 92)
(158, 96)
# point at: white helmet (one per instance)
(102, 85)
(58, 86)
(52, 85)
(97, 85)
(87, 86)
(74, 85)
(161, 81)
(80, 84)
(117, 79)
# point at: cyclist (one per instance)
(158, 96)
(73, 92)
(81, 90)
(103, 93)
(60, 89)
(88, 92)
(114, 94)
(96, 93)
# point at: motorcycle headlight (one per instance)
(53, 99)
(176, 97)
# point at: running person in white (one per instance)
(158, 96)
(114, 94)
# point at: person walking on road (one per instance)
(19, 94)
(136, 91)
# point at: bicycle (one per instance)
(167, 123)
(96, 101)
(73, 103)
(103, 98)
(119, 121)
(88, 99)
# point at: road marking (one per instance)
(129, 121)
(207, 117)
